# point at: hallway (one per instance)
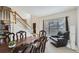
(51, 49)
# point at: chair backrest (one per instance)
(43, 41)
(21, 35)
(66, 35)
(42, 33)
(39, 48)
(59, 33)
(11, 36)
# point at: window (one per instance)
(53, 26)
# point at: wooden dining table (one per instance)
(5, 49)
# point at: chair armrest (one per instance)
(54, 39)
(55, 36)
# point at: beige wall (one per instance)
(72, 24)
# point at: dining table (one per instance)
(4, 48)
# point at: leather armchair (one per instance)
(60, 40)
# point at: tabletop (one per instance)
(5, 49)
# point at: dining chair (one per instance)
(42, 33)
(11, 36)
(20, 36)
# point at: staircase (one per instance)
(11, 18)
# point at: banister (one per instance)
(19, 16)
(14, 14)
(22, 18)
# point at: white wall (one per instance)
(78, 26)
(72, 23)
(20, 27)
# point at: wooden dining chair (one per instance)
(11, 36)
(41, 45)
(42, 33)
(39, 42)
(20, 36)
(11, 41)
(44, 44)
(43, 41)
(35, 46)
(20, 39)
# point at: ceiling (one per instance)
(26, 11)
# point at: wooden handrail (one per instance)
(22, 23)
(20, 17)
(15, 14)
